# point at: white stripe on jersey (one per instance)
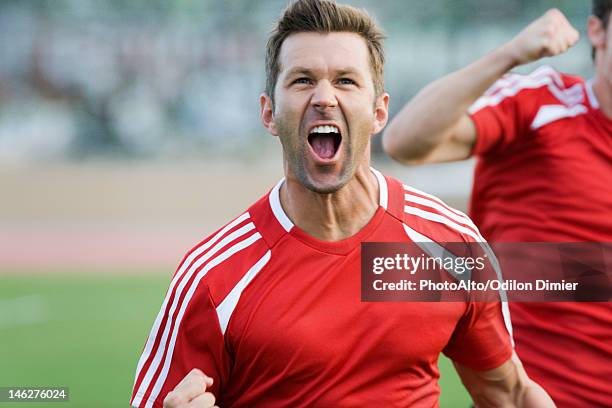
(416, 236)
(497, 98)
(449, 210)
(478, 238)
(511, 86)
(449, 213)
(511, 79)
(550, 113)
(576, 92)
(214, 262)
(411, 198)
(570, 96)
(432, 248)
(460, 228)
(226, 308)
(144, 385)
(194, 254)
(452, 213)
(442, 220)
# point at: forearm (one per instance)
(431, 116)
(434, 125)
(529, 396)
(534, 396)
(505, 386)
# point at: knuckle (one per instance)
(549, 30)
(197, 377)
(196, 372)
(211, 397)
(172, 400)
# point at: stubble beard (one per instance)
(295, 158)
(295, 153)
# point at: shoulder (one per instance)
(426, 217)
(221, 261)
(545, 85)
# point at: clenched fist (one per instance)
(191, 392)
(549, 35)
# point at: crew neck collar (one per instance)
(590, 94)
(283, 219)
(336, 247)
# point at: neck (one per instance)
(335, 216)
(603, 93)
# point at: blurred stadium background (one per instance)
(129, 130)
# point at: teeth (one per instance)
(325, 129)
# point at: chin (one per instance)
(326, 184)
(324, 189)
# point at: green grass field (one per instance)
(86, 333)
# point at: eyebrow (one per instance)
(299, 70)
(348, 71)
(309, 72)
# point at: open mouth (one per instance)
(325, 141)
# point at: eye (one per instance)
(346, 81)
(303, 80)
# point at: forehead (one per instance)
(337, 50)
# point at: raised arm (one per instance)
(435, 127)
(505, 386)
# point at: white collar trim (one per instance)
(281, 216)
(591, 95)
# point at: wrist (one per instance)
(507, 57)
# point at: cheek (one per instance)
(288, 124)
(289, 110)
(283, 118)
(361, 120)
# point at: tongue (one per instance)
(323, 145)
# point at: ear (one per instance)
(267, 114)
(596, 32)
(381, 112)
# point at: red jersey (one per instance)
(543, 175)
(274, 315)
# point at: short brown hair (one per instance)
(325, 16)
(601, 10)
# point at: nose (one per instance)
(324, 96)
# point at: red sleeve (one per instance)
(187, 332)
(503, 115)
(481, 339)
(180, 344)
